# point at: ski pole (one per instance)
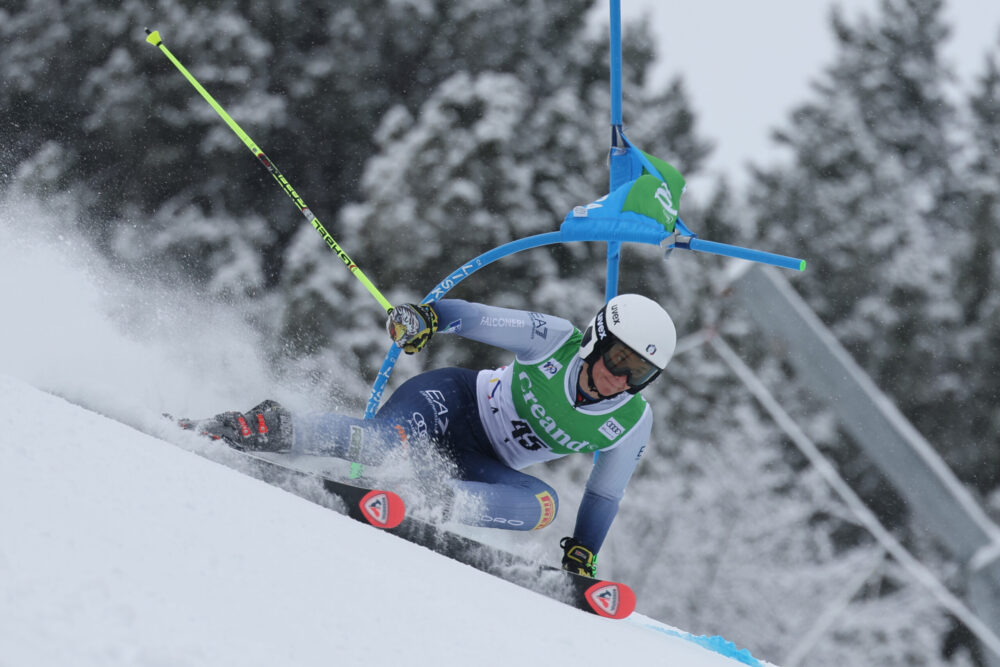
(153, 37)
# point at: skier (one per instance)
(566, 392)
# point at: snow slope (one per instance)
(117, 548)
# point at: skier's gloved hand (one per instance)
(411, 325)
(577, 558)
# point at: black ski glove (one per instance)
(577, 558)
(411, 325)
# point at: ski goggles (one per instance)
(621, 360)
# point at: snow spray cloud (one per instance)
(71, 325)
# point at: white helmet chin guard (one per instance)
(638, 322)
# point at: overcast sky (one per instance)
(746, 64)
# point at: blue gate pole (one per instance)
(614, 247)
(616, 63)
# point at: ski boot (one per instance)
(267, 427)
(577, 558)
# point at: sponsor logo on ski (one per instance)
(382, 509)
(376, 508)
(605, 598)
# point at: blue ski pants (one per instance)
(436, 413)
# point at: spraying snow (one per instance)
(122, 549)
(119, 548)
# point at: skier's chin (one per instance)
(607, 384)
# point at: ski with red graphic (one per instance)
(386, 510)
(606, 598)
(376, 507)
(609, 599)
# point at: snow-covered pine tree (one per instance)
(489, 158)
(310, 81)
(871, 199)
(978, 271)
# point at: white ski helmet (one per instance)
(642, 327)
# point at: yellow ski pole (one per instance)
(153, 37)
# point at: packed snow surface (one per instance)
(118, 548)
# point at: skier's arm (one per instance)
(606, 486)
(528, 335)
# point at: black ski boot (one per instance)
(265, 428)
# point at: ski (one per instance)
(610, 599)
(386, 510)
(377, 507)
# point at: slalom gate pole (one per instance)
(153, 37)
(615, 75)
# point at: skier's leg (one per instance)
(427, 411)
(445, 414)
(502, 497)
(437, 412)
(359, 440)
